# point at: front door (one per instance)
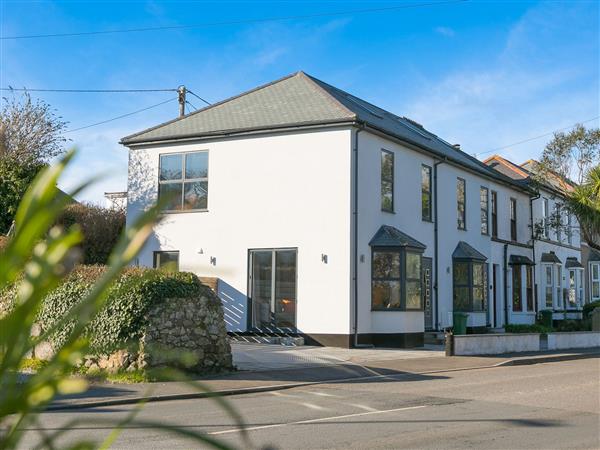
(427, 266)
(272, 286)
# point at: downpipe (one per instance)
(535, 289)
(436, 241)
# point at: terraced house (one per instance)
(325, 216)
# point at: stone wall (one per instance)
(186, 333)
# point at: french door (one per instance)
(272, 285)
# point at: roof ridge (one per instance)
(317, 83)
(214, 105)
(510, 165)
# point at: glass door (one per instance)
(272, 280)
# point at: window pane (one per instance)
(285, 288)
(461, 299)
(167, 261)
(595, 270)
(548, 275)
(483, 200)
(172, 191)
(595, 289)
(478, 274)
(460, 203)
(196, 194)
(170, 167)
(386, 265)
(478, 299)
(387, 166)
(386, 294)
(413, 295)
(548, 297)
(516, 288)
(262, 266)
(461, 273)
(196, 165)
(413, 266)
(387, 203)
(426, 192)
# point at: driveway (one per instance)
(251, 356)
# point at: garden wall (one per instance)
(495, 344)
(573, 339)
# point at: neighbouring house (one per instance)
(590, 258)
(325, 216)
(116, 200)
(559, 272)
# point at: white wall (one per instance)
(407, 218)
(264, 192)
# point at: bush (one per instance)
(101, 228)
(3, 242)
(589, 307)
(574, 325)
(533, 328)
(122, 319)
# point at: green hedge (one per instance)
(531, 328)
(589, 307)
(122, 320)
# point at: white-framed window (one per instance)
(545, 218)
(572, 296)
(595, 281)
(183, 179)
(548, 284)
(569, 228)
(559, 291)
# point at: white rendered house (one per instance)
(323, 215)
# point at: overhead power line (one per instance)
(536, 137)
(236, 22)
(198, 97)
(190, 103)
(87, 90)
(122, 116)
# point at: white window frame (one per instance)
(183, 181)
(594, 280)
(546, 285)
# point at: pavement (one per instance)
(264, 368)
(550, 405)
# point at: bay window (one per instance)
(396, 282)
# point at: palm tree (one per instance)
(584, 203)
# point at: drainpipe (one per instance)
(505, 277)
(355, 221)
(436, 241)
(535, 290)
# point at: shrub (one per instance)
(589, 307)
(122, 319)
(574, 325)
(101, 228)
(527, 328)
(3, 242)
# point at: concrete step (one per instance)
(434, 337)
(292, 341)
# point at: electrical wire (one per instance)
(536, 137)
(189, 103)
(121, 116)
(236, 22)
(87, 90)
(197, 96)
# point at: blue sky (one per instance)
(485, 74)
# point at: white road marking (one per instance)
(322, 419)
(313, 406)
(365, 407)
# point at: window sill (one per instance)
(186, 211)
(395, 310)
(426, 220)
(389, 212)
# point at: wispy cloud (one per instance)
(445, 31)
(526, 89)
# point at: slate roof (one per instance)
(572, 262)
(520, 260)
(550, 258)
(388, 236)
(302, 100)
(465, 251)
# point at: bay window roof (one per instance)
(466, 252)
(550, 258)
(516, 260)
(388, 236)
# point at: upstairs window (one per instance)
(426, 193)
(183, 179)
(559, 221)
(494, 214)
(513, 219)
(569, 229)
(483, 201)
(545, 218)
(387, 181)
(461, 203)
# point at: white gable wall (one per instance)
(274, 191)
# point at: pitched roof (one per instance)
(465, 251)
(572, 262)
(550, 258)
(516, 260)
(302, 100)
(388, 236)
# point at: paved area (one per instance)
(541, 406)
(249, 356)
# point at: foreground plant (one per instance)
(37, 257)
